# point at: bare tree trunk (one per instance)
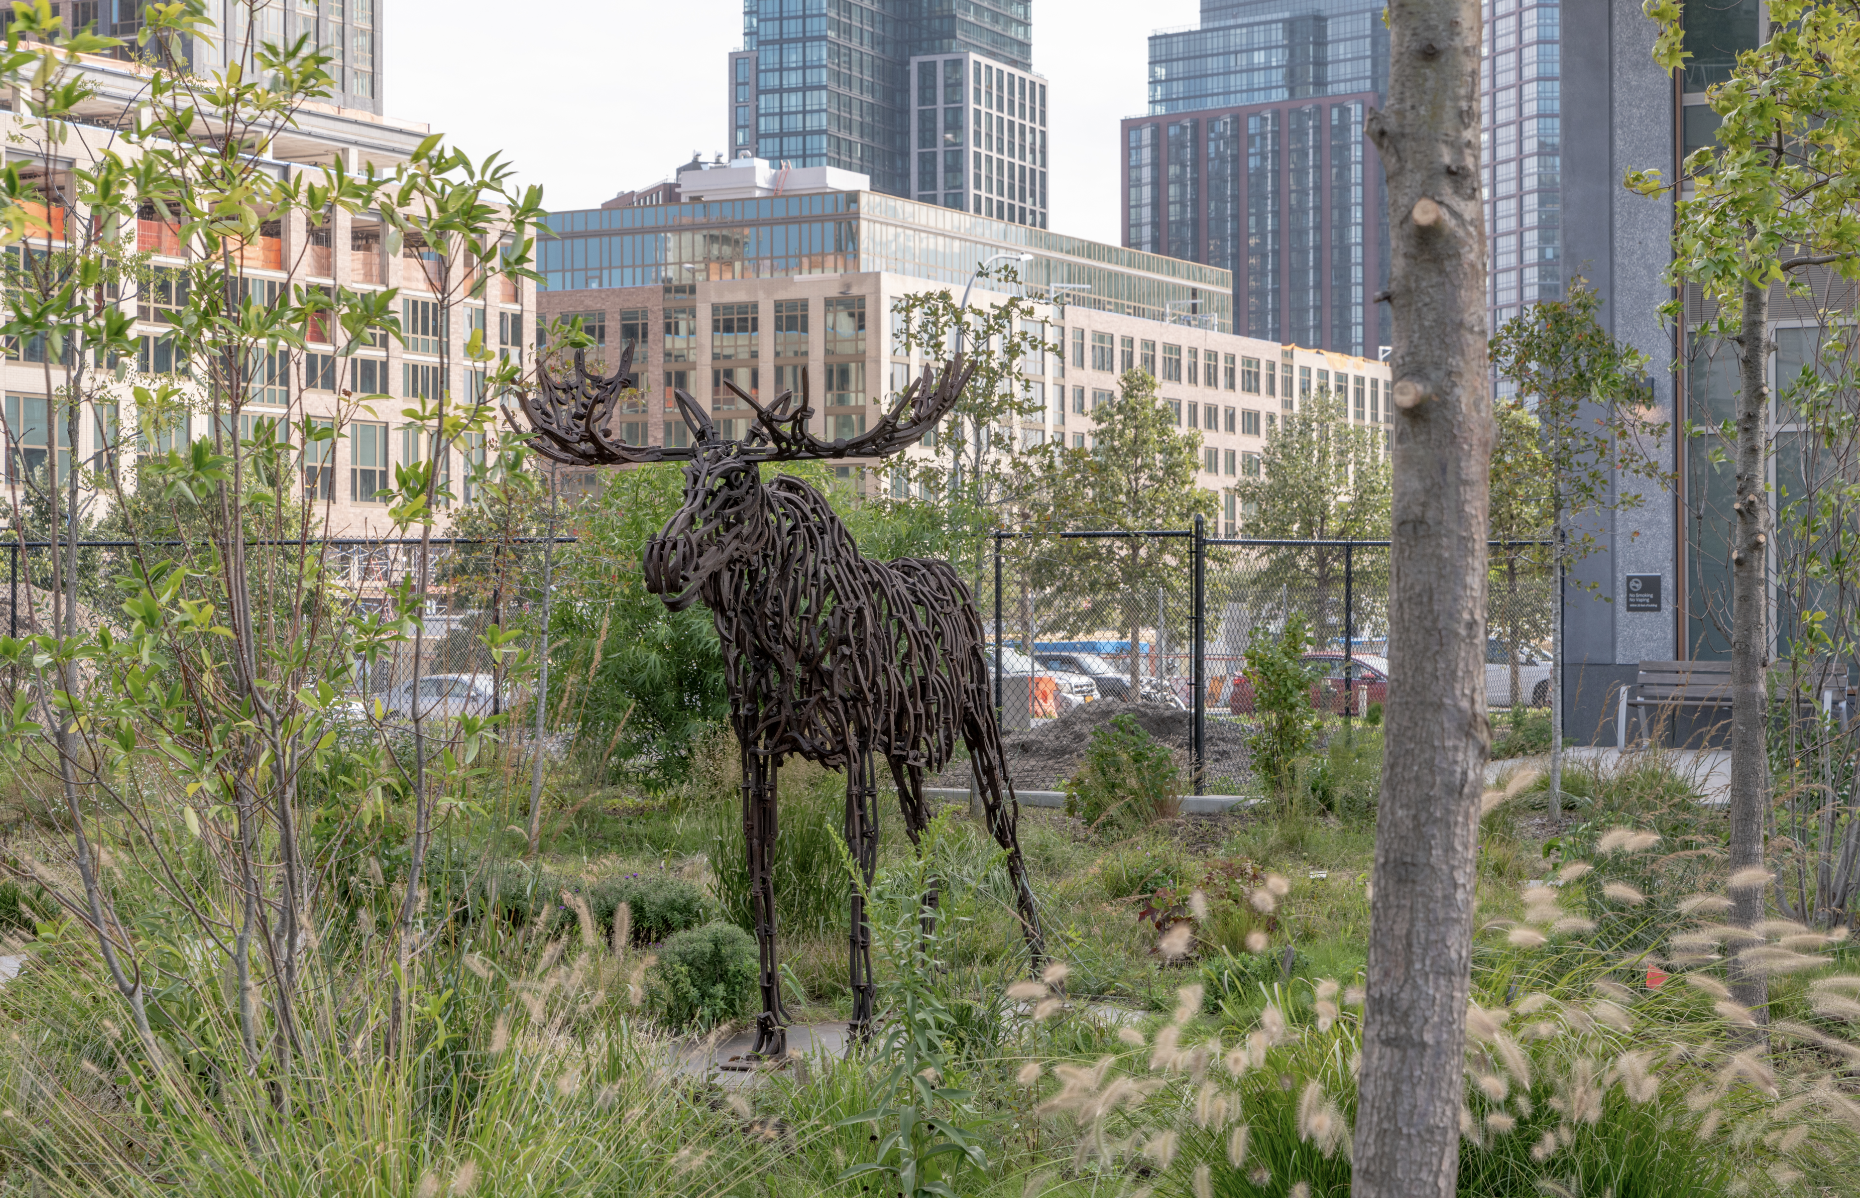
(1750, 636)
(1421, 912)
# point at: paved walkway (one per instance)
(1707, 769)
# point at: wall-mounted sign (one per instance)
(1643, 593)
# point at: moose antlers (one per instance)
(571, 419)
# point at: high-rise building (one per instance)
(1521, 142)
(931, 99)
(350, 34)
(1252, 158)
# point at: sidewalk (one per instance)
(1708, 769)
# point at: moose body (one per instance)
(830, 656)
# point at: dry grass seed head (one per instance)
(1709, 985)
(1162, 1148)
(1203, 1184)
(1498, 1123)
(1573, 924)
(1621, 892)
(1188, 1002)
(1029, 1073)
(1734, 1013)
(1277, 884)
(1573, 870)
(1198, 904)
(1055, 974)
(1026, 991)
(1301, 1190)
(1704, 904)
(1523, 937)
(1773, 959)
(1176, 943)
(429, 1186)
(1751, 877)
(1163, 1055)
(1236, 1146)
(1534, 1002)
(1272, 1023)
(1256, 942)
(1130, 1036)
(1263, 901)
(1492, 1086)
(466, 1179)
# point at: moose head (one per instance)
(720, 522)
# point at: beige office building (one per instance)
(751, 287)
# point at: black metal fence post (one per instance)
(1349, 635)
(998, 702)
(1198, 751)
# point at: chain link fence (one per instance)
(471, 586)
(1164, 618)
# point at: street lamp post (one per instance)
(980, 267)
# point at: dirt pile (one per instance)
(1044, 757)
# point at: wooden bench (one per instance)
(1699, 685)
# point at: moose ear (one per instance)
(696, 418)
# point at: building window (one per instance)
(1359, 398)
(1078, 347)
(1172, 363)
(416, 441)
(1249, 375)
(368, 376)
(1100, 398)
(1194, 366)
(681, 334)
(1078, 400)
(474, 451)
(635, 327)
(423, 325)
(1146, 360)
(419, 380)
(30, 421)
(846, 426)
(790, 330)
(319, 458)
(1230, 420)
(590, 324)
(1249, 465)
(1103, 356)
(846, 327)
(735, 331)
(1211, 460)
(1249, 424)
(154, 355)
(746, 377)
(1375, 401)
(1128, 348)
(1230, 374)
(846, 385)
(1304, 382)
(1227, 461)
(1194, 415)
(368, 461)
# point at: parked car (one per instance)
(1110, 681)
(1368, 683)
(443, 695)
(1533, 674)
(1053, 692)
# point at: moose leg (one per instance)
(1003, 811)
(759, 830)
(862, 839)
(910, 783)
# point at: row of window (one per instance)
(34, 427)
(735, 329)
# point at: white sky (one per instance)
(593, 97)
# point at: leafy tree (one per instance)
(1138, 475)
(1599, 441)
(1772, 200)
(1520, 608)
(1281, 682)
(1322, 478)
(975, 468)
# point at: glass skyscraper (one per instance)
(933, 99)
(1520, 147)
(1252, 159)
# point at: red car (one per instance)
(1369, 684)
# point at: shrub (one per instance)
(660, 904)
(1128, 779)
(1282, 700)
(705, 976)
(1345, 780)
(1521, 734)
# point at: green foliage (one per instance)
(658, 904)
(1524, 732)
(1282, 704)
(1325, 478)
(810, 888)
(1128, 780)
(1344, 780)
(704, 976)
(1240, 983)
(924, 1120)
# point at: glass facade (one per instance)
(1521, 143)
(980, 140)
(1269, 178)
(834, 83)
(851, 232)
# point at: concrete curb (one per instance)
(1191, 804)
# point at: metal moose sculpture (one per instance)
(829, 656)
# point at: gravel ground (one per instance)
(1043, 758)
